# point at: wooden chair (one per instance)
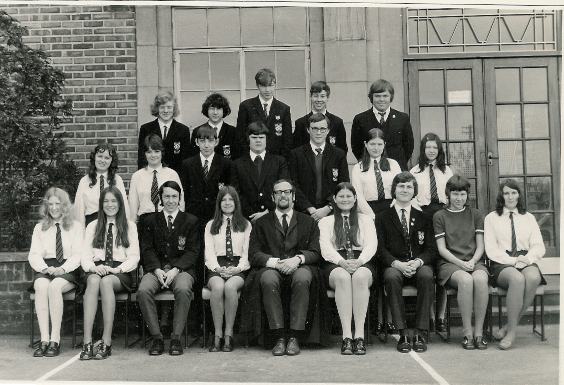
(68, 296)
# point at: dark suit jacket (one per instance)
(180, 248)
(200, 193)
(268, 240)
(337, 134)
(279, 139)
(228, 146)
(176, 144)
(397, 132)
(392, 244)
(256, 192)
(302, 172)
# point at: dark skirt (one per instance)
(327, 267)
(90, 218)
(126, 279)
(496, 268)
(379, 206)
(73, 276)
(223, 261)
(447, 269)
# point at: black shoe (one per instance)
(468, 343)
(347, 346)
(103, 351)
(404, 344)
(419, 344)
(41, 349)
(379, 329)
(480, 343)
(440, 325)
(228, 344)
(157, 347)
(359, 347)
(87, 352)
(392, 328)
(293, 347)
(53, 350)
(216, 345)
(175, 348)
(279, 348)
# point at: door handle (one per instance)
(491, 157)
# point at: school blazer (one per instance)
(200, 193)
(256, 192)
(176, 144)
(337, 134)
(397, 133)
(268, 240)
(228, 146)
(279, 139)
(179, 248)
(302, 171)
(392, 244)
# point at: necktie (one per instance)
(265, 108)
(513, 236)
(318, 150)
(284, 223)
(382, 115)
(348, 234)
(404, 224)
(318, 176)
(109, 246)
(59, 245)
(165, 132)
(101, 183)
(379, 182)
(155, 191)
(258, 163)
(206, 169)
(169, 223)
(228, 242)
(434, 195)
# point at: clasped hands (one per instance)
(289, 265)
(103, 270)
(522, 261)
(166, 277)
(350, 265)
(319, 213)
(227, 271)
(409, 268)
(54, 271)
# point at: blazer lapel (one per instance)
(277, 224)
(310, 156)
(293, 223)
(214, 167)
(266, 165)
(396, 221)
(252, 169)
(259, 109)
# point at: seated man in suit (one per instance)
(395, 124)
(319, 95)
(256, 171)
(406, 249)
(269, 110)
(284, 247)
(317, 168)
(170, 246)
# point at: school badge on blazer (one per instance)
(278, 128)
(421, 236)
(332, 140)
(227, 151)
(177, 147)
(335, 174)
(181, 242)
(220, 185)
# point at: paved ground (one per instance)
(529, 362)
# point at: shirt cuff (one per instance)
(272, 262)
(302, 259)
(420, 260)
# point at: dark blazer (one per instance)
(176, 144)
(256, 192)
(200, 193)
(279, 139)
(392, 244)
(397, 132)
(268, 240)
(228, 146)
(337, 134)
(180, 248)
(302, 172)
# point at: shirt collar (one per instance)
(209, 159)
(108, 221)
(174, 214)
(376, 160)
(280, 213)
(162, 124)
(506, 211)
(218, 126)
(324, 112)
(398, 208)
(253, 155)
(104, 174)
(262, 102)
(376, 113)
(314, 146)
(159, 169)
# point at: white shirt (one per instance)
(87, 198)
(315, 146)
(497, 236)
(367, 239)
(173, 215)
(209, 159)
(44, 243)
(254, 155)
(273, 261)
(215, 245)
(366, 187)
(129, 257)
(378, 116)
(140, 189)
(162, 126)
(269, 104)
(424, 183)
(217, 127)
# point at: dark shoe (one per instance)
(379, 328)
(419, 344)
(216, 346)
(279, 348)
(468, 343)
(228, 344)
(404, 344)
(392, 328)
(103, 352)
(53, 350)
(347, 346)
(87, 352)
(480, 343)
(293, 347)
(440, 325)
(359, 347)
(41, 349)
(175, 348)
(157, 347)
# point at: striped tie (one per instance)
(404, 224)
(348, 234)
(513, 236)
(379, 183)
(101, 183)
(155, 191)
(109, 246)
(59, 245)
(169, 223)
(206, 169)
(434, 195)
(228, 241)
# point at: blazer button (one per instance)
(260, 194)
(262, 207)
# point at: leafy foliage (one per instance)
(32, 152)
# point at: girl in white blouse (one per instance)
(110, 253)
(227, 260)
(101, 174)
(513, 244)
(348, 242)
(54, 256)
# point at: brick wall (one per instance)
(95, 47)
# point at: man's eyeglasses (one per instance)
(320, 130)
(282, 192)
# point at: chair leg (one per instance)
(490, 315)
(127, 320)
(385, 317)
(204, 325)
(448, 317)
(31, 303)
(499, 311)
(535, 314)
(543, 337)
(74, 323)
(186, 334)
